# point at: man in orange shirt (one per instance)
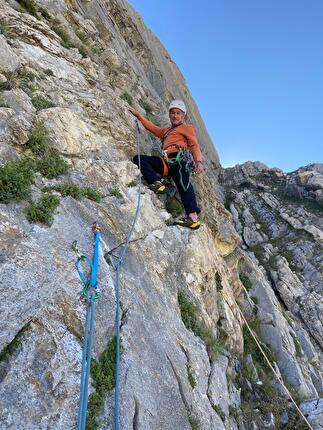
(179, 139)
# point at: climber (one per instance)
(180, 147)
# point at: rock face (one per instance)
(67, 73)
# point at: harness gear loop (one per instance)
(184, 159)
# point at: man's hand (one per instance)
(199, 167)
(134, 112)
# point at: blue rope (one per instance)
(91, 293)
(118, 269)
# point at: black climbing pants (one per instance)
(152, 169)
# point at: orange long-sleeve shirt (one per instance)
(181, 136)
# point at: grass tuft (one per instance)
(102, 372)
(11, 347)
(42, 210)
(127, 97)
(298, 348)
(115, 192)
(41, 102)
(219, 411)
(147, 107)
(194, 421)
(84, 38)
(190, 376)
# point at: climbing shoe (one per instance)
(187, 222)
(158, 187)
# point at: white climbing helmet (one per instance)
(179, 104)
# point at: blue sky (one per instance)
(255, 70)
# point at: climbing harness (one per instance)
(258, 343)
(91, 293)
(184, 159)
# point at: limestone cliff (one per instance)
(68, 72)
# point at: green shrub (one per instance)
(77, 192)
(16, 178)
(245, 281)
(43, 209)
(127, 97)
(11, 347)
(52, 165)
(48, 162)
(38, 142)
(29, 6)
(102, 373)
(41, 102)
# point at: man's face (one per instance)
(176, 116)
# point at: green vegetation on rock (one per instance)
(190, 376)
(16, 178)
(43, 209)
(29, 6)
(219, 411)
(77, 192)
(115, 192)
(245, 281)
(11, 347)
(298, 348)
(192, 322)
(127, 97)
(194, 421)
(48, 161)
(41, 102)
(250, 346)
(102, 372)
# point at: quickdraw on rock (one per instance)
(91, 293)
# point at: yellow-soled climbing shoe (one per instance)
(187, 222)
(158, 187)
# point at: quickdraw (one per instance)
(184, 159)
(90, 291)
